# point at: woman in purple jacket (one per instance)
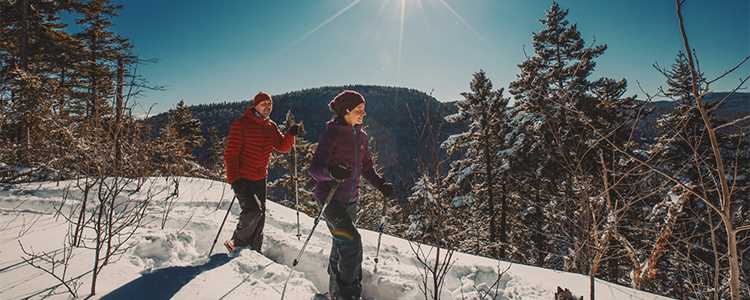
(342, 156)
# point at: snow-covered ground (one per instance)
(172, 263)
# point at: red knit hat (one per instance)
(260, 97)
(345, 101)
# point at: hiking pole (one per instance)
(380, 233)
(296, 188)
(296, 178)
(222, 226)
(315, 224)
(289, 122)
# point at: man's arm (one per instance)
(282, 142)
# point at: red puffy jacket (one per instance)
(249, 145)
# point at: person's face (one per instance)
(264, 108)
(356, 115)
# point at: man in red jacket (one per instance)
(251, 139)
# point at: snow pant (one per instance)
(345, 262)
(249, 231)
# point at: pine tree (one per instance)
(32, 42)
(371, 203)
(522, 188)
(282, 188)
(475, 173)
(682, 149)
(102, 49)
(553, 82)
(170, 153)
(424, 217)
(177, 140)
(215, 152)
(681, 130)
(188, 129)
(562, 104)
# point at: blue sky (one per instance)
(229, 50)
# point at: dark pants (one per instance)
(249, 231)
(345, 262)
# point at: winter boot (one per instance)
(229, 244)
(323, 296)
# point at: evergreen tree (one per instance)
(177, 139)
(424, 205)
(682, 149)
(32, 42)
(681, 130)
(371, 203)
(554, 88)
(170, 154)
(475, 173)
(282, 188)
(102, 50)
(187, 128)
(521, 189)
(216, 152)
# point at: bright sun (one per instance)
(402, 18)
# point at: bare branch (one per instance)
(733, 122)
(730, 70)
(49, 258)
(734, 91)
(742, 228)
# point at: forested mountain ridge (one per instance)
(394, 115)
(736, 105)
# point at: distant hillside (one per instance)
(393, 114)
(392, 117)
(735, 106)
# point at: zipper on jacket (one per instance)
(356, 159)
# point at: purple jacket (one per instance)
(343, 144)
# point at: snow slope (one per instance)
(172, 263)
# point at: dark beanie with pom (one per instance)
(345, 101)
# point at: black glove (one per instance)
(340, 172)
(294, 129)
(387, 190)
(238, 184)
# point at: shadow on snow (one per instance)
(164, 283)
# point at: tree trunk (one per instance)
(118, 154)
(724, 194)
(503, 220)
(23, 135)
(78, 233)
(98, 249)
(61, 104)
(94, 105)
(435, 276)
(539, 238)
(717, 256)
(734, 262)
(489, 165)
